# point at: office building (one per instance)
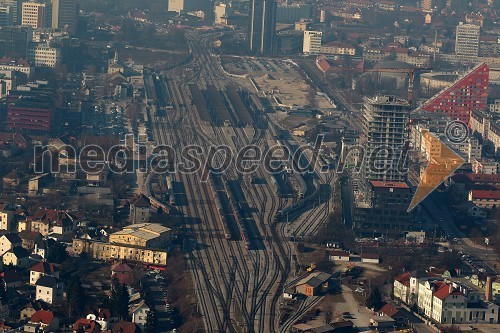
(36, 15)
(64, 15)
(466, 94)
(43, 55)
(184, 6)
(312, 42)
(262, 28)
(31, 108)
(290, 13)
(6, 16)
(31, 114)
(383, 212)
(14, 41)
(386, 121)
(467, 41)
(15, 9)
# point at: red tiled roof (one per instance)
(121, 267)
(42, 316)
(444, 291)
(404, 278)
(370, 256)
(87, 324)
(485, 194)
(483, 178)
(389, 310)
(44, 267)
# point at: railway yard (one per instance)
(240, 226)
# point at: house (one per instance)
(139, 313)
(57, 224)
(485, 198)
(381, 322)
(122, 272)
(314, 284)
(405, 287)
(338, 255)
(6, 218)
(42, 320)
(396, 314)
(18, 256)
(30, 239)
(8, 242)
(29, 309)
(11, 278)
(125, 327)
(49, 289)
(372, 258)
(41, 269)
(87, 325)
(101, 316)
(140, 209)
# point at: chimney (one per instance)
(489, 289)
(451, 288)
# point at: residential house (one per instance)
(41, 269)
(42, 320)
(485, 198)
(139, 313)
(49, 289)
(382, 322)
(6, 219)
(122, 272)
(8, 242)
(314, 284)
(11, 278)
(426, 291)
(338, 255)
(29, 309)
(393, 312)
(401, 287)
(30, 239)
(57, 224)
(18, 256)
(448, 305)
(101, 316)
(140, 209)
(86, 325)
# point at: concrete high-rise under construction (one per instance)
(386, 121)
(262, 29)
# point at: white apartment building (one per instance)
(467, 40)
(42, 55)
(6, 220)
(312, 42)
(35, 15)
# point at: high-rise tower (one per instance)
(386, 121)
(262, 30)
